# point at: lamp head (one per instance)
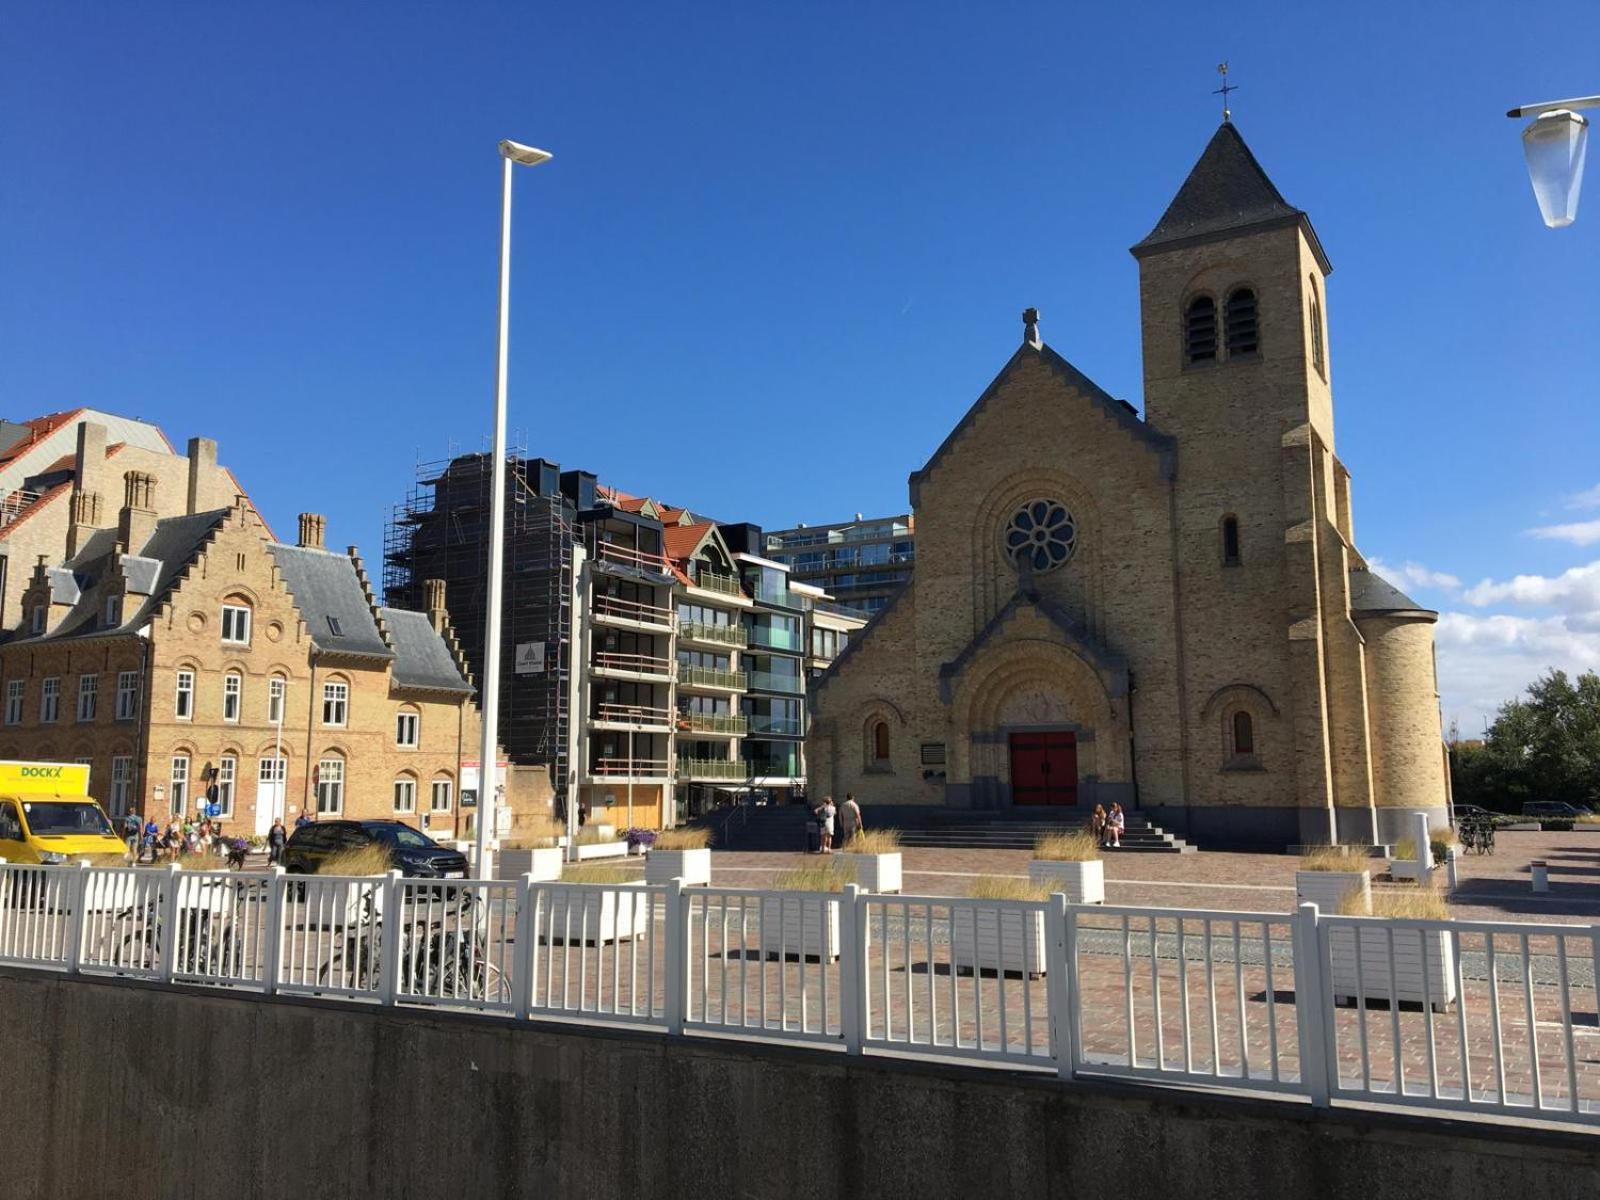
(528, 156)
(1554, 145)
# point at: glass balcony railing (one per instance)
(728, 585)
(723, 635)
(774, 639)
(779, 725)
(696, 722)
(710, 768)
(768, 682)
(710, 677)
(785, 768)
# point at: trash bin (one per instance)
(1541, 875)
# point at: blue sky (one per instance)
(783, 247)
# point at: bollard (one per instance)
(1424, 840)
(1541, 875)
(1451, 854)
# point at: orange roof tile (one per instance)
(40, 426)
(680, 541)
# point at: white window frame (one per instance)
(183, 696)
(277, 695)
(232, 697)
(36, 619)
(113, 611)
(127, 695)
(88, 696)
(335, 703)
(178, 786)
(445, 787)
(16, 694)
(404, 719)
(330, 787)
(121, 783)
(405, 796)
(50, 700)
(227, 784)
(236, 624)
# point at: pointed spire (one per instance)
(1225, 194)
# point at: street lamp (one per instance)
(513, 153)
(1554, 145)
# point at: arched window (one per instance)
(232, 696)
(1316, 332)
(1244, 735)
(1230, 541)
(1242, 335)
(1200, 330)
(405, 795)
(880, 743)
(330, 786)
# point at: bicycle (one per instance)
(452, 966)
(1477, 834)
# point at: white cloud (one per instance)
(1575, 591)
(1589, 498)
(1485, 660)
(1579, 533)
(1415, 575)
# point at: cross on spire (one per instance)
(1222, 69)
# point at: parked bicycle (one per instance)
(1476, 832)
(445, 957)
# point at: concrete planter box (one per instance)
(544, 864)
(784, 919)
(691, 866)
(597, 914)
(587, 850)
(874, 872)
(1414, 950)
(1083, 882)
(1406, 868)
(1327, 889)
(998, 939)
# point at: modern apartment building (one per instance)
(861, 563)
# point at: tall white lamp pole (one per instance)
(513, 153)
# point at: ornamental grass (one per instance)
(1009, 887)
(1078, 846)
(1332, 858)
(599, 873)
(816, 877)
(688, 838)
(371, 859)
(877, 841)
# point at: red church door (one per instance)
(1044, 768)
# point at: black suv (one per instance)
(413, 854)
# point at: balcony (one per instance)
(710, 677)
(727, 585)
(728, 724)
(781, 726)
(774, 639)
(618, 663)
(632, 716)
(629, 556)
(14, 503)
(710, 768)
(716, 635)
(617, 610)
(629, 768)
(766, 681)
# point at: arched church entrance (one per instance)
(1044, 768)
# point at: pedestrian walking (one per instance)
(825, 815)
(277, 838)
(132, 826)
(1116, 822)
(850, 822)
(151, 840)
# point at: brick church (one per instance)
(1167, 612)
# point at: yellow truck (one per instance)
(48, 816)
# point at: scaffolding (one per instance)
(440, 531)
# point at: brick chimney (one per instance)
(312, 527)
(433, 601)
(138, 518)
(89, 467)
(202, 466)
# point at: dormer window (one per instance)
(113, 611)
(1243, 338)
(1200, 331)
(334, 629)
(36, 619)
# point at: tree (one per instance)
(1543, 747)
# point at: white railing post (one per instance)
(852, 967)
(277, 889)
(167, 922)
(389, 938)
(1060, 980)
(77, 891)
(677, 966)
(522, 958)
(1311, 1004)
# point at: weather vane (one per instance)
(1222, 69)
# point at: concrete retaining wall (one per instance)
(129, 1091)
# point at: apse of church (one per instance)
(1168, 612)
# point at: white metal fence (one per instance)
(1438, 1015)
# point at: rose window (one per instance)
(1041, 536)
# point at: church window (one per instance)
(1230, 541)
(1316, 332)
(879, 748)
(1041, 536)
(1244, 735)
(1200, 330)
(1242, 335)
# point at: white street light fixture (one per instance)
(1554, 145)
(488, 761)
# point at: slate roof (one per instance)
(1372, 593)
(1225, 194)
(421, 657)
(325, 585)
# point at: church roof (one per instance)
(1226, 194)
(1372, 593)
